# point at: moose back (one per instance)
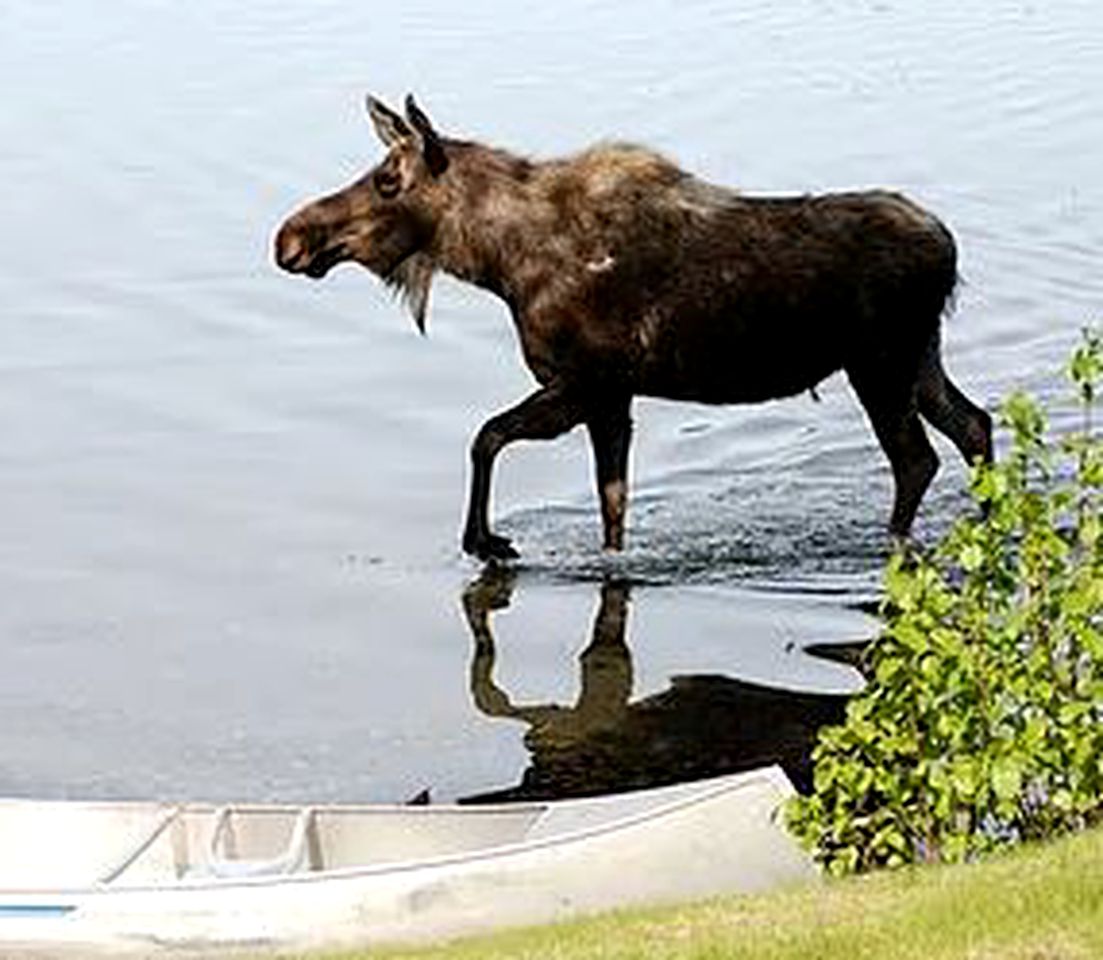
(627, 276)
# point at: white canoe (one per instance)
(78, 878)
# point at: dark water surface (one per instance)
(231, 498)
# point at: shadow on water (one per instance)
(702, 725)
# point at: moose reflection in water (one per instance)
(700, 726)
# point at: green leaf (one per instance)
(1007, 778)
(972, 557)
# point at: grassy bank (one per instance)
(1038, 903)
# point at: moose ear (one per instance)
(431, 147)
(390, 127)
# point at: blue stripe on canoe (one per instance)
(40, 910)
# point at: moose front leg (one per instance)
(611, 435)
(543, 415)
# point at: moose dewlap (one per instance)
(627, 276)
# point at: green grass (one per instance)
(1042, 902)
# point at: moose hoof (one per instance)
(489, 546)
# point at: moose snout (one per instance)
(304, 246)
(291, 247)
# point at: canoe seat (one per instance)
(159, 828)
(293, 859)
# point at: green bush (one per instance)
(982, 721)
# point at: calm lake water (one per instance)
(231, 498)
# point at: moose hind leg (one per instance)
(542, 415)
(950, 412)
(902, 437)
(611, 435)
(914, 464)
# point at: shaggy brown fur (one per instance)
(625, 275)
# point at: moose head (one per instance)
(385, 220)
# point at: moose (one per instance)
(627, 276)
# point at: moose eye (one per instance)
(387, 183)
